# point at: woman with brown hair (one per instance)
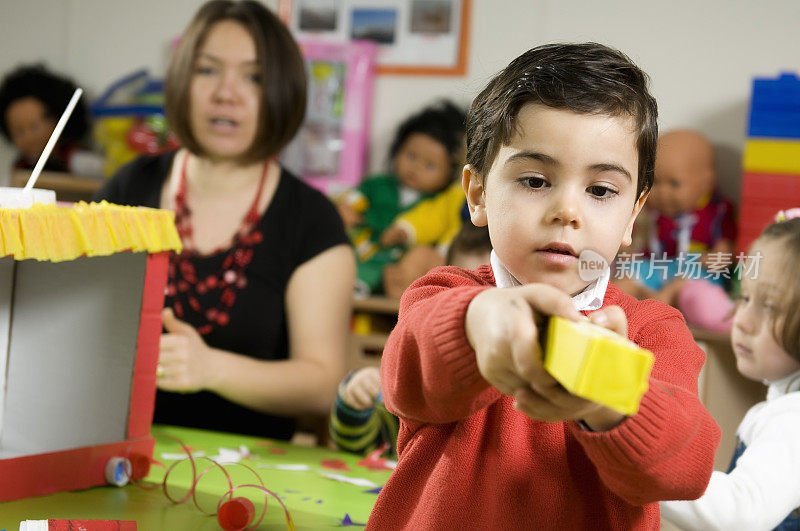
(259, 298)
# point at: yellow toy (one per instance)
(772, 156)
(597, 364)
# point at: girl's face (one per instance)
(422, 163)
(225, 91)
(758, 354)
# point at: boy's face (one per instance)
(565, 184)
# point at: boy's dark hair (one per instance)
(444, 122)
(281, 69)
(54, 91)
(786, 328)
(587, 78)
(469, 240)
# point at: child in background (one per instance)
(470, 248)
(425, 156)
(31, 101)
(359, 420)
(761, 489)
(560, 155)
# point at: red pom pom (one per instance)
(236, 514)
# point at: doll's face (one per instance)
(684, 172)
(422, 163)
(29, 126)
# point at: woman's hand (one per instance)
(363, 388)
(184, 361)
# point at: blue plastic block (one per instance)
(775, 107)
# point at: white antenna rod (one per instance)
(53, 139)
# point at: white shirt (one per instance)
(764, 488)
(591, 298)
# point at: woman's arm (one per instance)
(318, 313)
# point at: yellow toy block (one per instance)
(772, 156)
(597, 364)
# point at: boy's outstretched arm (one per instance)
(430, 371)
(665, 451)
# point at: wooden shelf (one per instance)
(376, 305)
(67, 187)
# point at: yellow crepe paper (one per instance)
(56, 234)
(597, 364)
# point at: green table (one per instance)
(313, 500)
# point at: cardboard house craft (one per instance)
(81, 293)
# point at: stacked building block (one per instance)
(771, 162)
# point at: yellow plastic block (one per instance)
(772, 156)
(597, 364)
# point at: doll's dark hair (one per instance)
(586, 78)
(53, 90)
(786, 327)
(443, 121)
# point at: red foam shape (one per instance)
(277, 451)
(334, 464)
(140, 466)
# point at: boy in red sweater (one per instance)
(560, 153)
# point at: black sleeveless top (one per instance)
(298, 224)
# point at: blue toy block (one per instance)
(775, 107)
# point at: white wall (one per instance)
(700, 54)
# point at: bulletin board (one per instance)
(427, 37)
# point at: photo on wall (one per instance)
(427, 37)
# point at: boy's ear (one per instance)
(627, 238)
(472, 184)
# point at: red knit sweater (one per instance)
(468, 460)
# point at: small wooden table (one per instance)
(67, 187)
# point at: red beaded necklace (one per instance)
(228, 280)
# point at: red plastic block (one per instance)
(763, 195)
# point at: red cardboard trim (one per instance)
(143, 389)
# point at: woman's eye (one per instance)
(535, 182)
(601, 191)
(254, 78)
(204, 70)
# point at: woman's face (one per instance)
(225, 92)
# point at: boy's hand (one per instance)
(502, 326)
(554, 403)
(362, 388)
